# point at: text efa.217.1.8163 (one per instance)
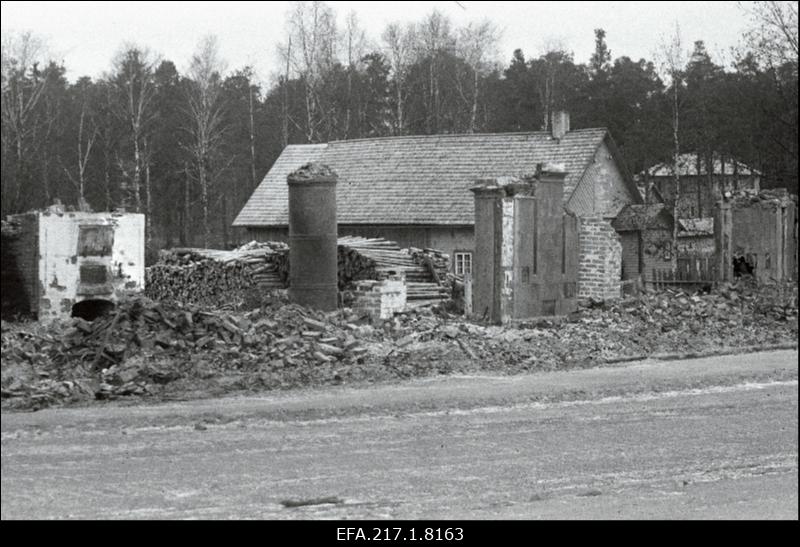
(399, 534)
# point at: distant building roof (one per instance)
(421, 179)
(637, 217)
(687, 167)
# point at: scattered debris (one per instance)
(148, 349)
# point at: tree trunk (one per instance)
(107, 179)
(253, 180)
(224, 220)
(204, 204)
(399, 88)
(137, 175)
(285, 126)
(184, 235)
(474, 118)
(675, 157)
(309, 112)
(148, 218)
(19, 174)
(348, 113)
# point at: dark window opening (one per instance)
(92, 309)
(744, 265)
(95, 240)
(94, 274)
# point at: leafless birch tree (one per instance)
(774, 37)
(85, 139)
(477, 44)
(672, 59)
(133, 82)
(355, 43)
(313, 37)
(22, 87)
(206, 120)
(399, 42)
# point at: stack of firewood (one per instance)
(213, 277)
(377, 258)
(437, 262)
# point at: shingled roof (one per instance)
(653, 216)
(418, 179)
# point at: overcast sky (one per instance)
(85, 35)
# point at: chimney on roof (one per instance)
(560, 124)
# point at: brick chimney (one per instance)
(560, 124)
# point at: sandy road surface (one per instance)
(708, 438)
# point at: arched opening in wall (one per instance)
(92, 309)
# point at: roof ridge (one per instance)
(462, 135)
(307, 145)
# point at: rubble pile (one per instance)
(664, 322)
(743, 198)
(211, 277)
(144, 348)
(143, 344)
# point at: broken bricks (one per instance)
(151, 345)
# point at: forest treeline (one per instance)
(189, 148)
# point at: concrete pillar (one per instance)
(313, 269)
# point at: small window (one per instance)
(463, 263)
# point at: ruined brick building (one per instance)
(57, 264)
(415, 190)
(673, 231)
(757, 234)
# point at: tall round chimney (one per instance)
(313, 273)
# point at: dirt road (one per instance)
(707, 438)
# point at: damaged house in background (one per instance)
(677, 233)
(415, 190)
(59, 264)
(703, 182)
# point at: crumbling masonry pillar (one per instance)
(723, 237)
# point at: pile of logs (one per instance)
(377, 258)
(214, 277)
(227, 278)
(437, 262)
